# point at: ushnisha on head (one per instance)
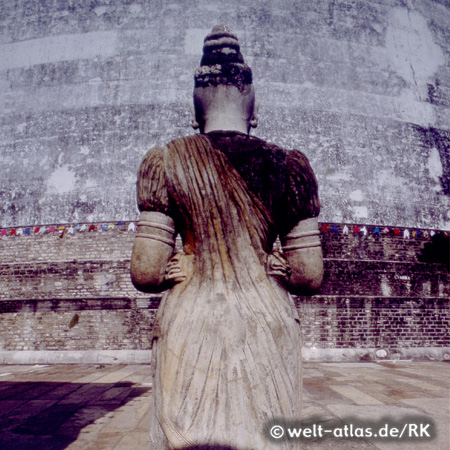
(224, 98)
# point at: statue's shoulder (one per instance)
(288, 153)
(291, 158)
(298, 158)
(152, 163)
(153, 154)
(186, 140)
(177, 145)
(295, 167)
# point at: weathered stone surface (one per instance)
(362, 87)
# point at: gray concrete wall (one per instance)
(361, 86)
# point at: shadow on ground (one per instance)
(50, 415)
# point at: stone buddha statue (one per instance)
(226, 347)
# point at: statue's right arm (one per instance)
(152, 250)
(303, 251)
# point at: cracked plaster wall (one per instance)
(361, 86)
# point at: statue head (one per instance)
(224, 97)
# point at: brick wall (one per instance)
(75, 293)
(114, 244)
(375, 322)
(66, 279)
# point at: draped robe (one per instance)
(226, 341)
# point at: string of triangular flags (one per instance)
(63, 230)
(377, 231)
(333, 228)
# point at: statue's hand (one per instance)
(278, 266)
(178, 268)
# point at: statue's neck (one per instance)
(226, 120)
(225, 123)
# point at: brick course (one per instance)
(75, 293)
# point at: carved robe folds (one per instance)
(227, 342)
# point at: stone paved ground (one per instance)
(81, 407)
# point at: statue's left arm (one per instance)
(152, 250)
(155, 237)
